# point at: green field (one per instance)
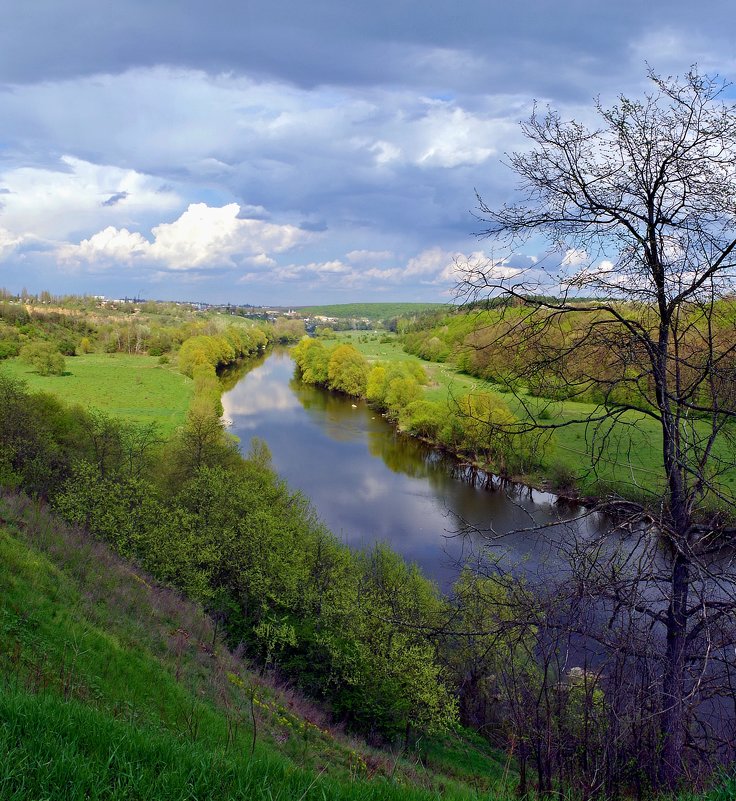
(135, 388)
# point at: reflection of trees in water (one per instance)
(398, 453)
(311, 398)
(231, 376)
(331, 411)
(401, 453)
(335, 415)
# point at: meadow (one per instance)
(135, 388)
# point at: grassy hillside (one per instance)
(112, 686)
(135, 388)
(369, 311)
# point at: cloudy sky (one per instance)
(294, 151)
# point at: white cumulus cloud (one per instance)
(9, 243)
(72, 195)
(202, 237)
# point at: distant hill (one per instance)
(369, 311)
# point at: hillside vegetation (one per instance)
(369, 311)
(229, 535)
(146, 643)
(115, 687)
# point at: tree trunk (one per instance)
(672, 727)
(522, 789)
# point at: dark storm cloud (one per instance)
(547, 48)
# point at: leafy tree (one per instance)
(485, 421)
(44, 357)
(391, 676)
(400, 393)
(348, 371)
(424, 418)
(383, 390)
(202, 442)
(313, 359)
(118, 509)
(375, 391)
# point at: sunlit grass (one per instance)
(135, 388)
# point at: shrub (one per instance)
(67, 346)
(85, 345)
(424, 418)
(8, 348)
(45, 357)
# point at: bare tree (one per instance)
(640, 218)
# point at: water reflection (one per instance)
(368, 483)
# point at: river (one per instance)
(370, 484)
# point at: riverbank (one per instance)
(628, 456)
(441, 408)
(370, 483)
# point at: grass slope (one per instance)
(112, 686)
(135, 388)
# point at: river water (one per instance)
(370, 484)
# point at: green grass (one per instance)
(135, 388)
(112, 686)
(57, 749)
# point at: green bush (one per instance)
(8, 348)
(67, 346)
(424, 418)
(348, 371)
(44, 357)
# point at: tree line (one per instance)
(44, 336)
(474, 425)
